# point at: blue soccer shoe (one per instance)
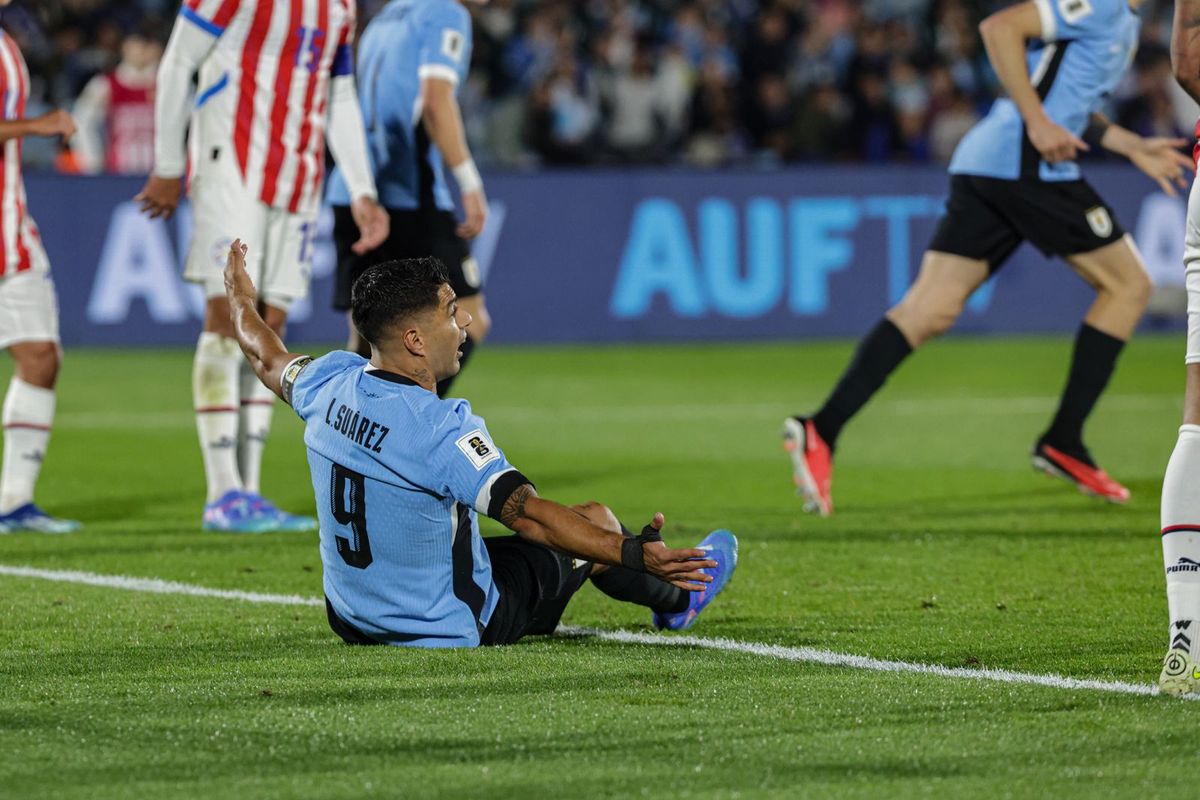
(276, 519)
(233, 512)
(31, 518)
(722, 547)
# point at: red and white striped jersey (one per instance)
(18, 233)
(264, 90)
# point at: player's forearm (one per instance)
(1111, 137)
(1005, 45)
(348, 138)
(18, 128)
(262, 346)
(559, 528)
(186, 51)
(1185, 46)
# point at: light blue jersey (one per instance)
(408, 41)
(1087, 46)
(399, 475)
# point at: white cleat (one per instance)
(1180, 675)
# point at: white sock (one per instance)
(254, 423)
(1181, 540)
(28, 414)
(215, 395)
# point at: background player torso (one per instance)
(19, 238)
(429, 580)
(263, 93)
(407, 41)
(1096, 41)
(130, 124)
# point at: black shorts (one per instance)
(413, 234)
(988, 218)
(535, 584)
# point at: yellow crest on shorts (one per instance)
(1100, 222)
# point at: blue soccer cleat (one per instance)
(276, 519)
(31, 518)
(722, 547)
(233, 513)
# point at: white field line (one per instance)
(807, 655)
(716, 410)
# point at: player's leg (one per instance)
(973, 239)
(467, 282)
(928, 309)
(672, 607)
(1118, 276)
(1181, 497)
(286, 271)
(29, 330)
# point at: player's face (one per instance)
(446, 334)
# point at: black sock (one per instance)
(1092, 365)
(878, 354)
(621, 583)
(624, 584)
(443, 385)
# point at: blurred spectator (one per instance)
(115, 112)
(706, 82)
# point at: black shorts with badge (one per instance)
(413, 234)
(535, 584)
(988, 218)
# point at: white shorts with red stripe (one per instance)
(1191, 262)
(28, 307)
(280, 243)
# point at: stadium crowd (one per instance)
(696, 82)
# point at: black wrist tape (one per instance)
(1095, 131)
(632, 555)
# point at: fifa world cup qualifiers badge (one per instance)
(478, 448)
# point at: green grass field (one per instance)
(946, 549)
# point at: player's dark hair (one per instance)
(390, 293)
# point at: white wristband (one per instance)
(467, 177)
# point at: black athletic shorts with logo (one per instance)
(988, 218)
(535, 584)
(413, 234)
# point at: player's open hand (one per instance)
(54, 123)
(373, 224)
(476, 207)
(1054, 142)
(237, 280)
(160, 196)
(678, 567)
(1162, 159)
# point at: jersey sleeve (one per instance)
(1063, 20)
(211, 16)
(446, 43)
(469, 465)
(343, 57)
(303, 378)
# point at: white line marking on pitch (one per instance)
(808, 655)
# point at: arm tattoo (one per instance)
(514, 506)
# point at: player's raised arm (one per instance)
(192, 39)
(560, 528)
(262, 346)
(348, 143)
(1004, 36)
(1185, 46)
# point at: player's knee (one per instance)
(37, 363)
(599, 515)
(217, 318)
(276, 319)
(1139, 288)
(921, 321)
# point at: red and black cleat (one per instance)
(1089, 478)
(812, 464)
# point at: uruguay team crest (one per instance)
(1100, 222)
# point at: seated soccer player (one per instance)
(400, 475)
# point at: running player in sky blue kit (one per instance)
(1013, 179)
(400, 475)
(412, 59)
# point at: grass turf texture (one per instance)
(946, 548)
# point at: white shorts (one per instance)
(280, 256)
(1191, 263)
(28, 308)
